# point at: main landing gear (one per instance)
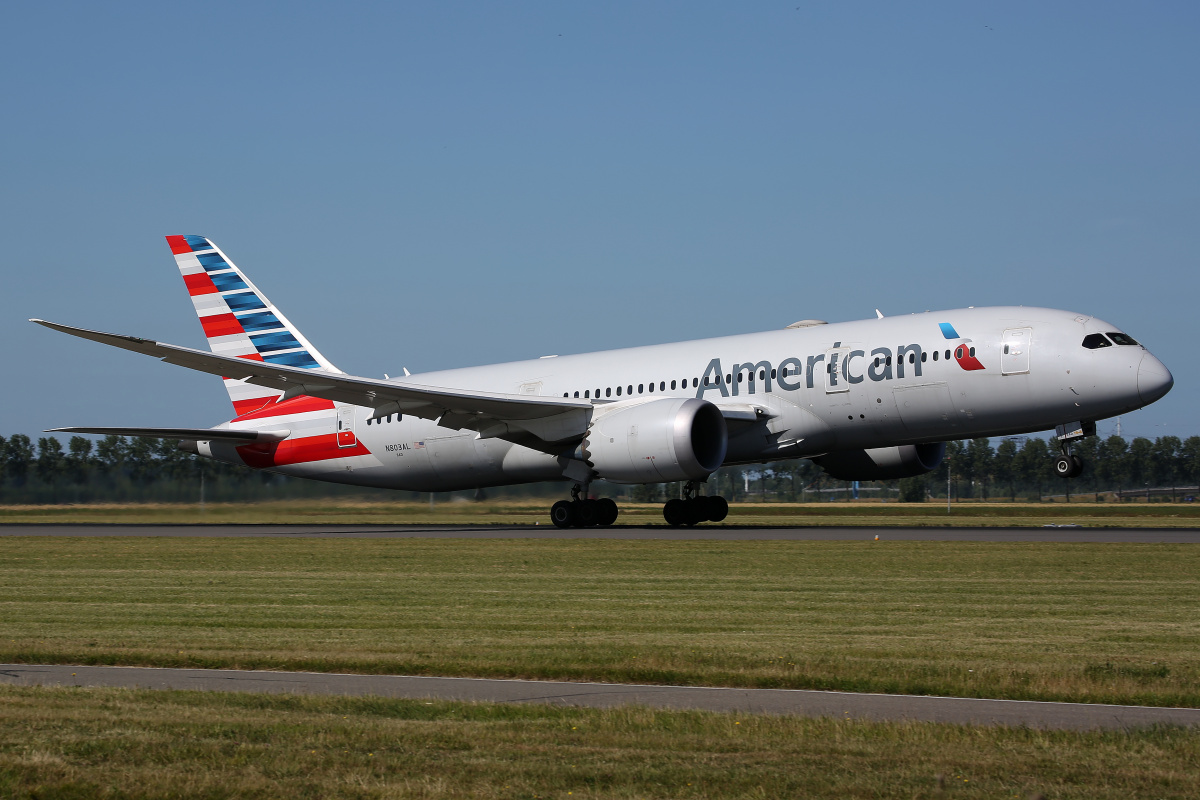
(694, 508)
(1069, 465)
(579, 512)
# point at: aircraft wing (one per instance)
(193, 434)
(548, 420)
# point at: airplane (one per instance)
(874, 399)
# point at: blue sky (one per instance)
(440, 185)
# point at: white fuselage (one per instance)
(793, 393)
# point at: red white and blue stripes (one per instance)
(239, 320)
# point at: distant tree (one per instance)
(79, 458)
(3, 459)
(1189, 460)
(980, 454)
(914, 489)
(1141, 461)
(1087, 448)
(110, 453)
(50, 465)
(19, 458)
(1111, 464)
(1033, 463)
(1004, 466)
(951, 466)
(1164, 460)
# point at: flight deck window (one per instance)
(1121, 338)
(1094, 341)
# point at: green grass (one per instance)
(1084, 622)
(527, 512)
(113, 743)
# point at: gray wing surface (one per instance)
(528, 420)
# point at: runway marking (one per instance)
(800, 702)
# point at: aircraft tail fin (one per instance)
(239, 320)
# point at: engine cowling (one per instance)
(883, 463)
(658, 441)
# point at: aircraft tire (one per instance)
(587, 513)
(1077, 468)
(608, 511)
(698, 510)
(562, 514)
(675, 512)
(1064, 466)
(718, 508)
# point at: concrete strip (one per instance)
(1095, 535)
(880, 707)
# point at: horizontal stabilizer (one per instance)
(192, 434)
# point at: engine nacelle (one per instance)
(883, 463)
(658, 441)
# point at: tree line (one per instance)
(137, 469)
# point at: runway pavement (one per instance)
(880, 707)
(725, 533)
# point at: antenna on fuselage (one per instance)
(878, 314)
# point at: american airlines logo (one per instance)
(841, 366)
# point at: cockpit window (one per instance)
(1121, 338)
(1094, 341)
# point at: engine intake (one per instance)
(658, 441)
(883, 463)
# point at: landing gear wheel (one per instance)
(608, 511)
(562, 514)
(718, 508)
(587, 513)
(1064, 467)
(675, 513)
(700, 510)
(1077, 468)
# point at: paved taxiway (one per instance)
(883, 707)
(728, 533)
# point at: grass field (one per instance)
(527, 512)
(112, 743)
(1092, 623)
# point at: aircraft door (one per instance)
(345, 427)
(1014, 351)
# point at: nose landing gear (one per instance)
(1069, 465)
(694, 508)
(580, 512)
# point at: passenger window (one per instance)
(729, 379)
(629, 389)
(694, 382)
(877, 361)
(706, 380)
(577, 394)
(972, 351)
(889, 361)
(672, 386)
(618, 391)
(947, 355)
(958, 353)
(662, 386)
(935, 355)
(762, 374)
(924, 356)
(772, 374)
(740, 376)
(587, 393)
(912, 358)
(640, 388)
(608, 392)
(1121, 338)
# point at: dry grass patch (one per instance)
(1083, 622)
(113, 743)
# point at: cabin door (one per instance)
(1014, 351)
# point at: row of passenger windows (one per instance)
(381, 420)
(648, 388)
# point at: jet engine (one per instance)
(658, 441)
(883, 463)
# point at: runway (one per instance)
(878, 707)
(727, 533)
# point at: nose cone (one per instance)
(1154, 379)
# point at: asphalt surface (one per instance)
(879, 707)
(1048, 534)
